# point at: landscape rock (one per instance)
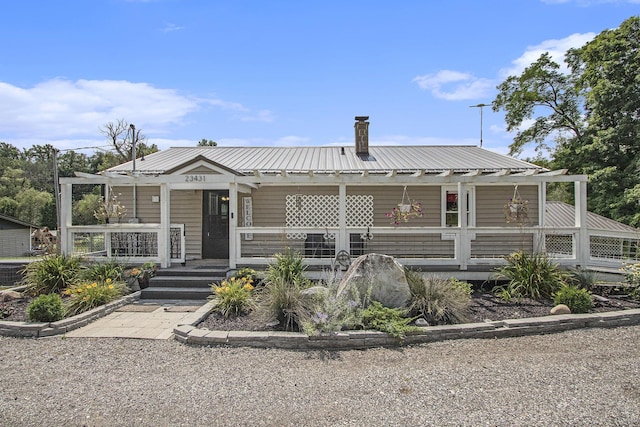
(6, 296)
(383, 273)
(421, 322)
(560, 309)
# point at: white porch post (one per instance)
(463, 223)
(64, 238)
(233, 223)
(342, 239)
(164, 242)
(583, 247)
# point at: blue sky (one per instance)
(276, 72)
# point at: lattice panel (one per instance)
(559, 244)
(360, 210)
(606, 247)
(322, 211)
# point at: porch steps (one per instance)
(182, 284)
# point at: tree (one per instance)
(121, 136)
(593, 115)
(207, 143)
(540, 88)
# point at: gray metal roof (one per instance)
(561, 214)
(458, 158)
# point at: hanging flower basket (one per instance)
(516, 210)
(405, 210)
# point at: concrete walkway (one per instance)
(148, 320)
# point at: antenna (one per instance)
(480, 106)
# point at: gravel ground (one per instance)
(587, 377)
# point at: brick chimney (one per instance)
(362, 135)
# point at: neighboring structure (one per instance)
(15, 237)
(244, 204)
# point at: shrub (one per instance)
(390, 320)
(53, 273)
(46, 308)
(284, 301)
(581, 278)
(233, 296)
(103, 271)
(329, 313)
(289, 267)
(246, 273)
(532, 276)
(85, 296)
(439, 301)
(578, 300)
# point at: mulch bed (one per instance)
(484, 307)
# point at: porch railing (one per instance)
(130, 242)
(437, 246)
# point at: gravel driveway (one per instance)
(587, 377)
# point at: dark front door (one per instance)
(215, 224)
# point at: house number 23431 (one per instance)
(195, 178)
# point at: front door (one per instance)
(215, 224)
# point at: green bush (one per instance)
(246, 273)
(390, 320)
(102, 271)
(329, 313)
(46, 308)
(88, 295)
(529, 276)
(51, 274)
(233, 296)
(284, 301)
(289, 267)
(578, 300)
(438, 301)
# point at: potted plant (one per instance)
(516, 210)
(406, 209)
(110, 209)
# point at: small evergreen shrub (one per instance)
(46, 308)
(529, 276)
(233, 296)
(52, 273)
(578, 300)
(88, 295)
(390, 320)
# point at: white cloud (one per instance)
(557, 48)
(455, 85)
(587, 3)
(170, 27)
(68, 112)
(265, 116)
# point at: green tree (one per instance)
(84, 208)
(31, 203)
(592, 115)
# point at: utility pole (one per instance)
(56, 192)
(480, 106)
(133, 171)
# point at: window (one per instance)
(450, 207)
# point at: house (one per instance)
(241, 205)
(15, 237)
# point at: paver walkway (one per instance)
(142, 320)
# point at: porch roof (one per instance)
(329, 159)
(561, 215)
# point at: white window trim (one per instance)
(471, 208)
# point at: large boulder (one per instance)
(383, 274)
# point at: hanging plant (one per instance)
(406, 209)
(516, 210)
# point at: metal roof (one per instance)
(559, 214)
(459, 158)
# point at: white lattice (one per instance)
(360, 210)
(560, 245)
(322, 211)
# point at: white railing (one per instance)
(483, 246)
(130, 242)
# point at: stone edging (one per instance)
(46, 329)
(190, 334)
